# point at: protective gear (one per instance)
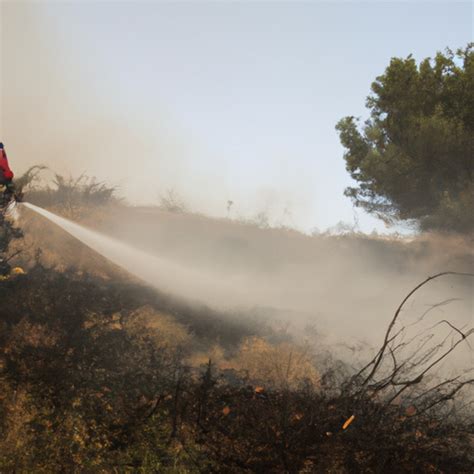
(6, 174)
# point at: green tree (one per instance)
(413, 158)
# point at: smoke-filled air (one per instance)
(236, 237)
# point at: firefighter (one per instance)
(6, 174)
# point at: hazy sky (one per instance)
(218, 100)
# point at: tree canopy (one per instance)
(413, 158)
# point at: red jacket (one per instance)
(4, 168)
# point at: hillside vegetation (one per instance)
(100, 373)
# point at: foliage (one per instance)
(413, 159)
(71, 197)
(172, 202)
(279, 365)
(94, 377)
(29, 177)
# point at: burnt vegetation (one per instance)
(107, 375)
(68, 196)
(94, 377)
(100, 375)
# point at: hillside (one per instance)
(305, 280)
(103, 372)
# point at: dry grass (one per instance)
(281, 366)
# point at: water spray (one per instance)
(157, 271)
